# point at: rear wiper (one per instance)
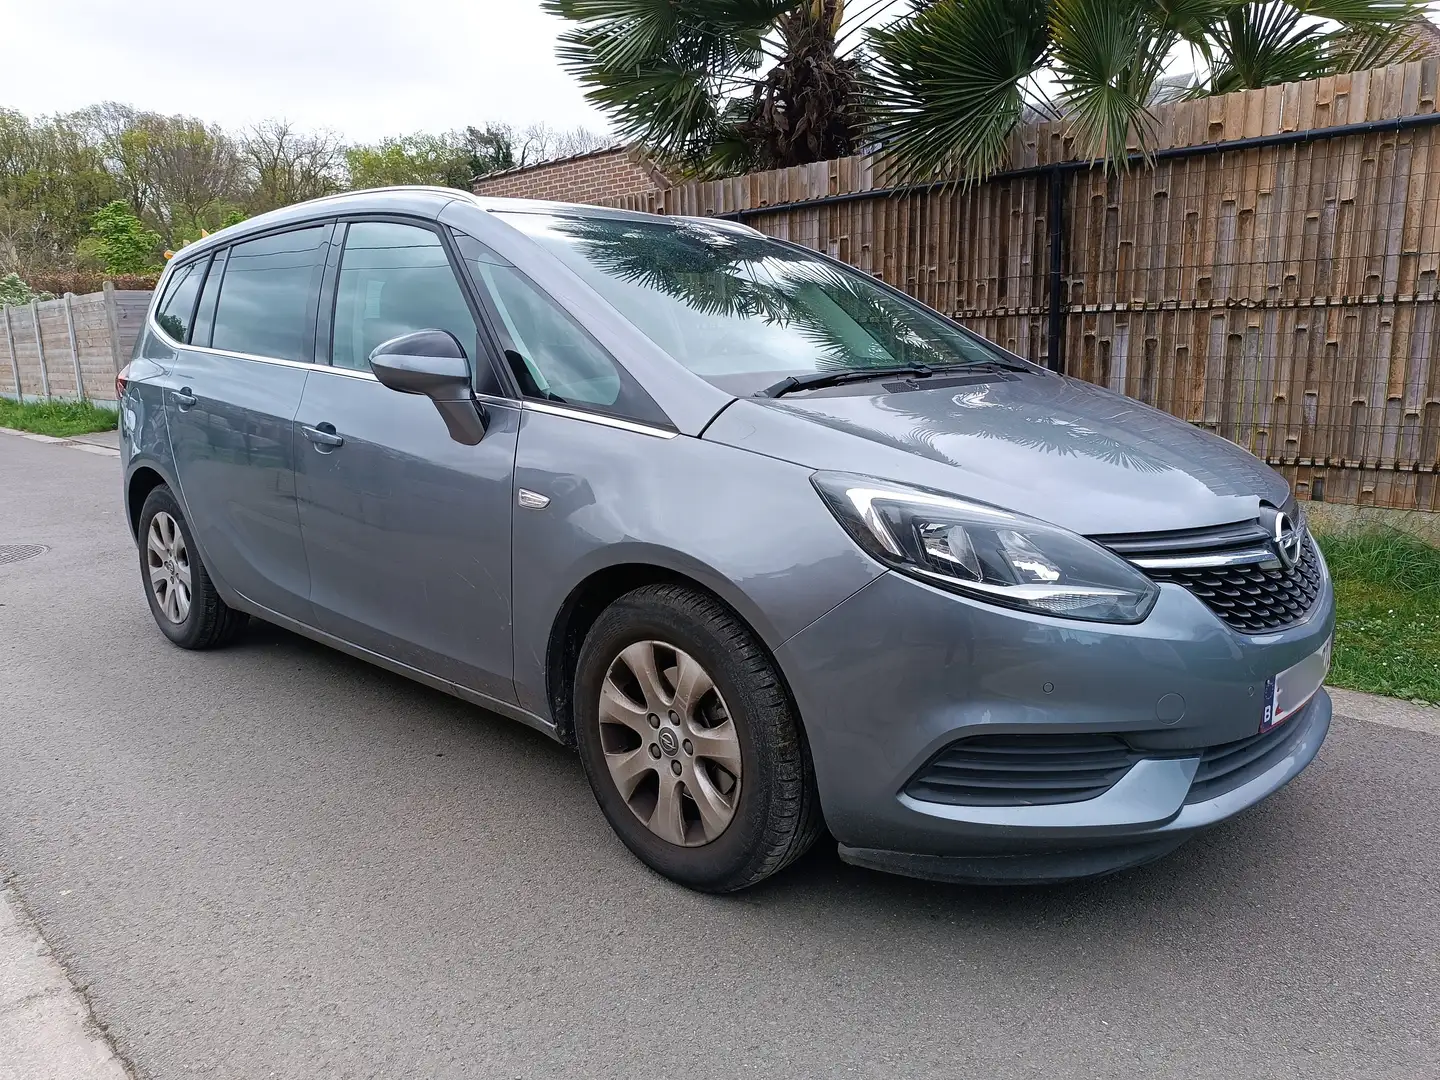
(836, 378)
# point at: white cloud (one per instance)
(364, 68)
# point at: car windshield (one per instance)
(741, 310)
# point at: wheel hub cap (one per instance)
(670, 743)
(167, 561)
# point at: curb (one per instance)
(1392, 712)
(91, 448)
(46, 1026)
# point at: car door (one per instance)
(406, 531)
(234, 391)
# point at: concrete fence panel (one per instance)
(81, 344)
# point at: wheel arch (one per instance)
(144, 478)
(584, 604)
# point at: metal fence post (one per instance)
(112, 324)
(74, 347)
(40, 348)
(1055, 358)
(14, 357)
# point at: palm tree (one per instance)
(955, 77)
(716, 87)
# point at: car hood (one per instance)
(1056, 448)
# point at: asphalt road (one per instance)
(275, 861)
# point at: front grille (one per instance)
(1255, 596)
(1023, 770)
(1225, 767)
(1250, 598)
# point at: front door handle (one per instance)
(183, 398)
(323, 437)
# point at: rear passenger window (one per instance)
(394, 280)
(267, 300)
(205, 310)
(178, 306)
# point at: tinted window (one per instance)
(267, 298)
(205, 310)
(178, 306)
(741, 309)
(394, 280)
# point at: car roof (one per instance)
(426, 201)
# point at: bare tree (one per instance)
(176, 172)
(541, 142)
(581, 140)
(195, 168)
(289, 166)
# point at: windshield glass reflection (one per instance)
(728, 303)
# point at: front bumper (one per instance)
(901, 670)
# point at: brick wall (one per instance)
(599, 176)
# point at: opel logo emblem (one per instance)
(668, 742)
(1287, 541)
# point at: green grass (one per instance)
(1387, 626)
(59, 418)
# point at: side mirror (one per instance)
(431, 362)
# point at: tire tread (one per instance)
(794, 820)
(218, 623)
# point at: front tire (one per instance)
(182, 597)
(690, 741)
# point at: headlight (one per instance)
(988, 553)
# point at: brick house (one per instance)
(604, 174)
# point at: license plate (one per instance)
(1288, 692)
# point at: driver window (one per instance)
(395, 279)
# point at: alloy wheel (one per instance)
(670, 743)
(168, 562)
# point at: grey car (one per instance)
(777, 548)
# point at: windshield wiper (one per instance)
(922, 371)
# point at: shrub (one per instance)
(14, 291)
(121, 241)
(79, 282)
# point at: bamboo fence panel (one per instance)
(1283, 296)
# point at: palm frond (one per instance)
(949, 82)
(1108, 56)
(659, 68)
(1357, 13)
(1260, 44)
(1383, 33)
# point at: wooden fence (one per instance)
(1282, 294)
(71, 347)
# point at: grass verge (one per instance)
(1387, 626)
(59, 418)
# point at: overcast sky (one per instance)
(364, 68)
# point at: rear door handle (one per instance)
(323, 437)
(183, 398)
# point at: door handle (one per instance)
(323, 437)
(183, 398)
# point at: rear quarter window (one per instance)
(177, 307)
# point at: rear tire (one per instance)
(182, 597)
(725, 794)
